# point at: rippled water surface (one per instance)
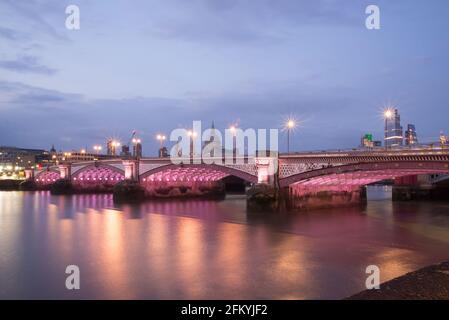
(209, 249)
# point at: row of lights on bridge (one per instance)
(289, 125)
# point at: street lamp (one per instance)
(192, 135)
(161, 138)
(97, 149)
(290, 124)
(233, 130)
(115, 144)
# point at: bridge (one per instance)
(300, 173)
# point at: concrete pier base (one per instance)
(305, 198)
(420, 193)
(263, 197)
(293, 198)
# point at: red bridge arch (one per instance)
(98, 174)
(365, 173)
(194, 172)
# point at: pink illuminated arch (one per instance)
(47, 177)
(194, 172)
(98, 174)
(364, 173)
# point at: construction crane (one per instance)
(134, 142)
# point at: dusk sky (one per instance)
(153, 66)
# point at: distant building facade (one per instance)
(411, 138)
(367, 141)
(393, 130)
(125, 151)
(137, 150)
(444, 140)
(13, 161)
(110, 147)
(163, 152)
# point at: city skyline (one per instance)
(315, 60)
(198, 151)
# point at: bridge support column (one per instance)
(298, 197)
(29, 174)
(267, 170)
(264, 195)
(131, 169)
(418, 188)
(65, 171)
(129, 190)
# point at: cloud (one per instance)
(36, 14)
(248, 21)
(50, 114)
(11, 34)
(26, 64)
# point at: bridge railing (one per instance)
(368, 152)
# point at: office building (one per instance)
(393, 129)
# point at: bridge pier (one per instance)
(131, 169)
(418, 188)
(65, 170)
(266, 170)
(298, 197)
(29, 174)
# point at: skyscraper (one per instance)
(110, 148)
(411, 138)
(137, 149)
(125, 150)
(393, 129)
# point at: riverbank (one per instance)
(9, 185)
(429, 283)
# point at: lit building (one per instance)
(444, 140)
(393, 129)
(411, 138)
(125, 150)
(111, 146)
(367, 141)
(110, 149)
(163, 152)
(13, 161)
(79, 156)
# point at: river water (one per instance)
(209, 249)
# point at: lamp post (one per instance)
(192, 135)
(161, 139)
(289, 125)
(97, 149)
(233, 130)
